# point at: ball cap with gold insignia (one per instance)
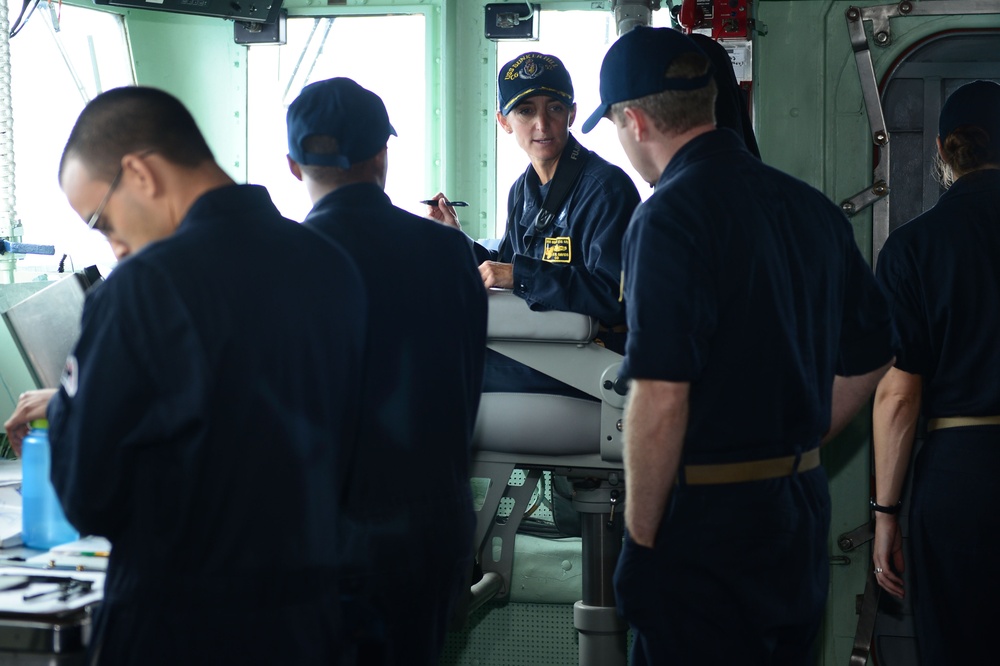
(531, 74)
(340, 108)
(636, 65)
(976, 104)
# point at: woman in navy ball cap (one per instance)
(941, 272)
(566, 216)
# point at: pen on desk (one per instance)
(432, 202)
(68, 587)
(90, 553)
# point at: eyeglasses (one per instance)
(114, 183)
(104, 202)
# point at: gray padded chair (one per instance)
(577, 438)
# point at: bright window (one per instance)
(366, 49)
(54, 73)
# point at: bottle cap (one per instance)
(40, 423)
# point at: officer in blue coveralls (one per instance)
(941, 271)
(569, 260)
(756, 330)
(207, 415)
(409, 493)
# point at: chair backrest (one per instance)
(550, 430)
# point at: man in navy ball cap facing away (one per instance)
(566, 215)
(756, 331)
(353, 120)
(409, 504)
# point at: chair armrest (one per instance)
(510, 318)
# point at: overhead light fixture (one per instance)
(511, 21)
(632, 13)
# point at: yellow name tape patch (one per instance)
(558, 250)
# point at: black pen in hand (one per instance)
(432, 202)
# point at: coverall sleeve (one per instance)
(483, 254)
(135, 380)
(867, 339)
(906, 307)
(673, 302)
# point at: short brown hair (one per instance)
(677, 111)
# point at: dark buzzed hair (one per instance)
(133, 119)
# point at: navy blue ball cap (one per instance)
(531, 74)
(636, 66)
(976, 103)
(342, 109)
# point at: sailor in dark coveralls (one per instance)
(570, 261)
(755, 332)
(941, 272)
(410, 552)
(206, 413)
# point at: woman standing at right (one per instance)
(941, 273)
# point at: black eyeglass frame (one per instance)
(111, 190)
(107, 197)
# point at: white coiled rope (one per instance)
(8, 201)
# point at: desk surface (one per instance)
(40, 592)
(39, 617)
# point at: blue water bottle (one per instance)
(43, 523)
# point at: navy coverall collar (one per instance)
(703, 146)
(214, 203)
(973, 183)
(353, 195)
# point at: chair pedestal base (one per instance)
(602, 632)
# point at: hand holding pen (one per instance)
(440, 209)
(434, 202)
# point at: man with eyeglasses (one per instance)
(120, 248)
(206, 411)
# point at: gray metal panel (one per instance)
(65, 634)
(46, 325)
(15, 376)
(913, 95)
